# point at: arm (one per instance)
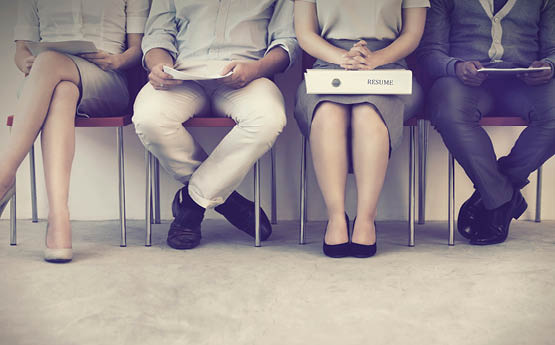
(23, 57)
(281, 32)
(433, 52)
(159, 44)
(547, 46)
(113, 62)
(136, 13)
(26, 30)
(360, 57)
(308, 34)
(280, 55)
(275, 61)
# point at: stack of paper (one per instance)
(511, 71)
(379, 82)
(66, 47)
(201, 70)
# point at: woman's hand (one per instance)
(106, 61)
(359, 58)
(27, 64)
(23, 58)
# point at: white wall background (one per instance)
(94, 179)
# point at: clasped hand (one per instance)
(359, 58)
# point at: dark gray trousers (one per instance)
(455, 110)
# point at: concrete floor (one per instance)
(226, 292)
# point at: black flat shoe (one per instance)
(469, 214)
(184, 231)
(494, 225)
(239, 211)
(337, 250)
(364, 250)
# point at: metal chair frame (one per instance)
(118, 123)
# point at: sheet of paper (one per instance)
(67, 47)
(509, 71)
(202, 70)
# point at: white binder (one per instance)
(378, 82)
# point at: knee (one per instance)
(65, 91)
(266, 127)
(48, 63)
(449, 104)
(329, 116)
(367, 119)
(149, 115)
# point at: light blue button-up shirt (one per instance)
(220, 29)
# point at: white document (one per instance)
(201, 70)
(378, 82)
(510, 71)
(67, 47)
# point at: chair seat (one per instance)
(503, 121)
(116, 121)
(205, 121)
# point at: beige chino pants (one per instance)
(258, 109)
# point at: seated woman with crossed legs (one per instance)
(59, 86)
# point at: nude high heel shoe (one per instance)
(6, 199)
(58, 256)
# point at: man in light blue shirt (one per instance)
(252, 39)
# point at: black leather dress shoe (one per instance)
(185, 229)
(239, 211)
(469, 214)
(494, 225)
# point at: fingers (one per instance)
(360, 43)
(98, 55)
(360, 51)
(160, 80)
(229, 67)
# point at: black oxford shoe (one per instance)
(494, 226)
(469, 214)
(239, 211)
(184, 231)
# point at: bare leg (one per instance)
(48, 70)
(328, 142)
(370, 158)
(58, 147)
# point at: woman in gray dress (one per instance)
(57, 86)
(355, 35)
